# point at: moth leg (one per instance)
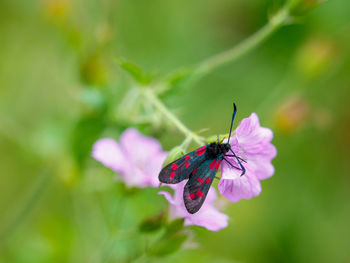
(239, 162)
(232, 164)
(231, 155)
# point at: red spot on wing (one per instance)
(192, 196)
(200, 193)
(200, 180)
(200, 151)
(172, 174)
(195, 170)
(186, 165)
(201, 148)
(212, 164)
(217, 165)
(187, 157)
(174, 166)
(207, 180)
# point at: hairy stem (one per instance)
(210, 64)
(158, 104)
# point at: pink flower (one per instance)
(252, 143)
(137, 158)
(208, 216)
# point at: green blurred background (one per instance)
(60, 87)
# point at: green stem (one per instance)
(245, 46)
(157, 103)
(109, 244)
(28, 204)
(218, 60)
(184, 145)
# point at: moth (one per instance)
(200, 167)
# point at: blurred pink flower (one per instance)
(137, 158)
(208, 216)
(252, 143)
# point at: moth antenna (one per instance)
(233, 117)
(218, 138)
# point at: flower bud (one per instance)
(292, 114)
(93, 70)
(56, 10)
(315, 57)
(174, 154)
(215, 138)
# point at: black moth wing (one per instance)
(197, 187)
(181, 169)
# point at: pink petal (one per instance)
(108, 152)
(227, 171)
(211, 197)
(178, 193)
(134, 176)
(250, 133)
(177, 207)
(153, 168)
(256, 149)
(263, 168)
(138, 147)
(210, 218)
(246, 186)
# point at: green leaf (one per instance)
(169, 245)
(86, 131)
(171, 240)
(135, 71)
(177, 81)
(152, 224)
(180, 77)
(175, 226)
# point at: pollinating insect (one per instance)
(200, 167)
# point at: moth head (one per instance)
(227, 147)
